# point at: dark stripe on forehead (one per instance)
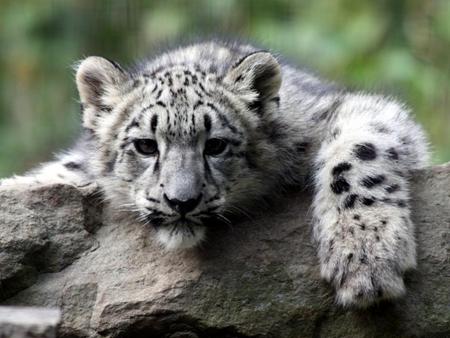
(134, 123)
(226, 123)
(207, 120)
(198, 104)
(213, 107)
(154, 122)
(223, 119)
(159, 94)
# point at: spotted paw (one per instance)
(366, 257)
(369, 285)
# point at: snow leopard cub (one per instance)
(213, 127)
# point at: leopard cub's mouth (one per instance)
(180, 234)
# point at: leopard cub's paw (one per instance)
(366, 287)
(366, 257)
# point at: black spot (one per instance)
(105, 108)
(226, 123)
(401, 204)
(364, 259)
(356, 217)
(377, 238)
(340, 185)
(330, 245)
(350, 201)
(362, 226)
(133, 123)
(392, 188)
(73, 166)
(381, 128)
(371, 181)
(156, 166)
(384, 222)
(159, 103)
(275, 99)
(406, 140)
(197, 104)
(350, 256)
(366, 151)
(336, 132)
(151, 199)
(256, 106)
(111, 163)
(323, 115)
(301, 147)
(368, 201)
(340, 168)
(207, 122)
(154, 122)
(386, 200)
(136, 83)
(202, 87)
(392, 154)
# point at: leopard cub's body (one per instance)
(211, 128)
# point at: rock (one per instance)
(18, 322)
(257, 279)
(43, 229)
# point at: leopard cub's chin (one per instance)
(180, 236)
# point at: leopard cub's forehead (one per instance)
(181, 101)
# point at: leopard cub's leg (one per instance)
(361, 206)
(68, 169)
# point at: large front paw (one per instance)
(361, 279)
(369, 284)
(365, 259)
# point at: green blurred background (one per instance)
(396, 47)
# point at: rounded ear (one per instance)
(97, 80)
(258, 74)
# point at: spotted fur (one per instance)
(209, 129)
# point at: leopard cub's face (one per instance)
(181, 151)
(178, 146)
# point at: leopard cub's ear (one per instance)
(98, 81)
(257, 77)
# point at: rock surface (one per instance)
(257, 279)
(18, 322)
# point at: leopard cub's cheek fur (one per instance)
(206, 131)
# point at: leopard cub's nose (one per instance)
(182, 206)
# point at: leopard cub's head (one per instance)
(181, 142)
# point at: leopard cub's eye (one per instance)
(146, 146)
(215, 146)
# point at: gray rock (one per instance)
(19, 322)
(259, 278)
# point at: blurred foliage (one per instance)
(396, 47)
